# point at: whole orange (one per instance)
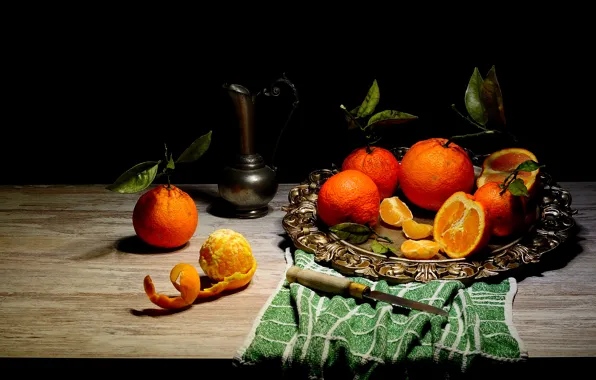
(430, 172)
(349, 196)
(506, 212)
(165, 217)
(379, 164)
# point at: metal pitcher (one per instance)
(248, 184)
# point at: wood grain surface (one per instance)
(71, 280)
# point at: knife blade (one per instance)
(344, 287)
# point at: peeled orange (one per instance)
(497, 166)
(414, 230)
(461, 226)
(394, 211)
(419, 249)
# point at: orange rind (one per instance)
(189, 286)
(226, 258)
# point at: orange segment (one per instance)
(415, 230)
(394, 211)
(499, 164)
(419, 249)
(461, 226)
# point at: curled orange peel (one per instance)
(189, 286)
(233, 281)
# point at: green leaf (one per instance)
(518, 188)
(379, 248)
(196, 149)
(352, 232)
(528, 166)
(171, 164)
(135, 179)
(370, 102)
(390, 117)
(393, 250)
(492, 99)
(473, 101)
(382, 248)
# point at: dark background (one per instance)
(87, 98)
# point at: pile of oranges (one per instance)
(435, 175)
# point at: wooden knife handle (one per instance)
(325, 282)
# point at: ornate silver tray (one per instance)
(553, 226)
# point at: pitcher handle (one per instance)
(274, 90)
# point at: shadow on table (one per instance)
(129, 244)
(133, 244)
(553, 260)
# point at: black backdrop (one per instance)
(86, 103)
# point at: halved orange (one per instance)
(394, 211)
(419, 249)
(414, 230)
(461, 226)
(497, 166)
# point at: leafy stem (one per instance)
(516, 186)
(468, 119)
(366, 112)
(142, 175)
(459, 137)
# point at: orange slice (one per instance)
(498, 165)
(419, 249)
(394, 211)
(414, 230)
(461, 226)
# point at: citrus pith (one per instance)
(461, 226)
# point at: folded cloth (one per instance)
(305, 333)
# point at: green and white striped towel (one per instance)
(304, 333)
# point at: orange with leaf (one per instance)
(507, 201)
(499, 166)
(378, 163)
(164, 216)
(225, 257)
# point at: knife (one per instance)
(344, 287)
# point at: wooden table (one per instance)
(71, 280)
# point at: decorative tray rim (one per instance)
(554, 226)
